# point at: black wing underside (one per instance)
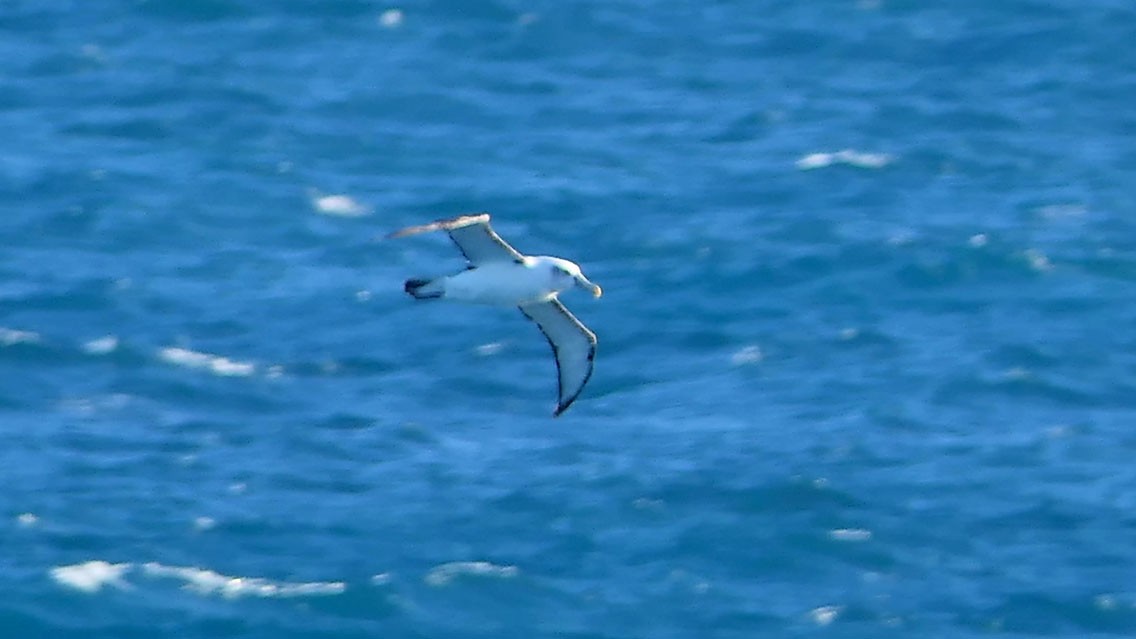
(573, 345)
(477, 241)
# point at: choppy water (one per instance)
(867, 365)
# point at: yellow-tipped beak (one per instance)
(597, 291)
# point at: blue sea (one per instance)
(867, 349)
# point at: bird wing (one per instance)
(572, 343)
(475, 238)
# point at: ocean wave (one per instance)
(446, 573)
(101, 346)
(11, 337)
(337, 205)
(215, 364)
(208, 582)
(846, 157)
(93, 576)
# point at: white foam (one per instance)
(339, 205)
(27, 520)
(902, 237)
(747, 355)
(445, 573)
(850, 534)
(824, 615)
(646, 503)
(1062, 211)
(490, 349)
(91, 576)
(391, 18)
(202, 524)
(847, 157)
(1106, 601)
(215, 364)
(101, 346)
(11, 337)
(1038, 261)
(207, 582)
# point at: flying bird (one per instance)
(497, 274)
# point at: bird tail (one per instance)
(425, 289)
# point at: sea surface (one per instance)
(867, 349)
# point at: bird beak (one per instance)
(583, 282)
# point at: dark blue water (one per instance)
(867, 365)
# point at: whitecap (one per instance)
(1038, 260)
(902, 237)
(91, 576)
(445, 573)
(747, 355)
(27, 520)
(202, 524)
(1106, 602)
(490, 349)
(824, 615)
(11, 337)
(646, 503)
(215, 364)
(338, 205)
(1062, 211)
(847, 157)
(850, 534)
(207, 582)
(101, 346)
(391, 18)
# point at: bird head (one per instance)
(566, 275)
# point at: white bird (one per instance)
(499, 275)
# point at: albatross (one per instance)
(499, 275)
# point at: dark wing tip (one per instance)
(563, 406)
(562, 403)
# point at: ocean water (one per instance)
(867, 365)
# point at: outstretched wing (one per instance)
(572, 343)
(475, 238)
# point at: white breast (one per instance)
(505, 284)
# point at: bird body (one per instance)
(499, 275)
(536, 279)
